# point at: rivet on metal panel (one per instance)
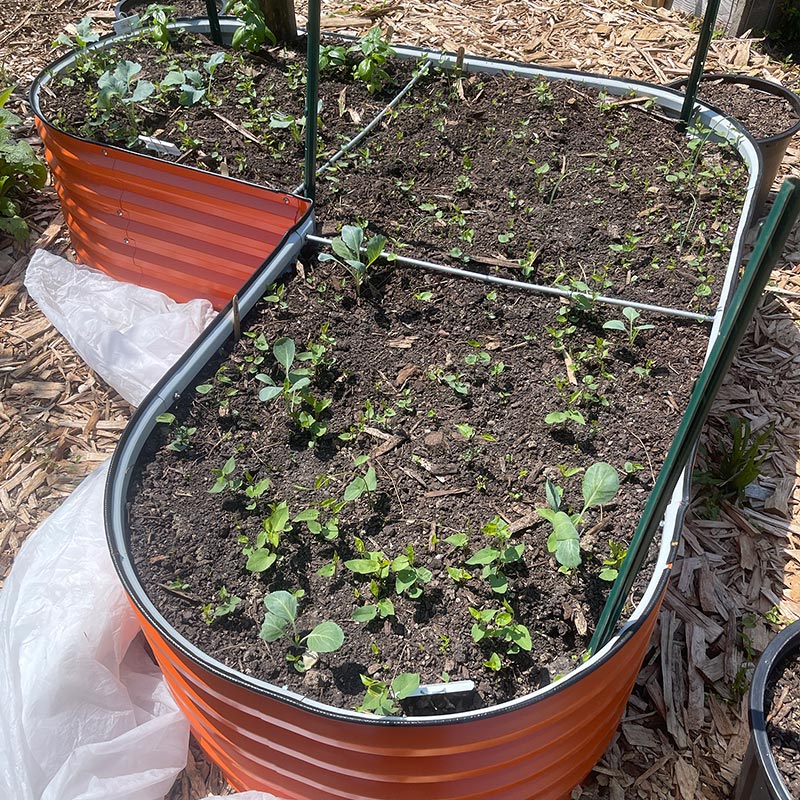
(286, 201)
(119, 212)
(125, 240)
(105, 152)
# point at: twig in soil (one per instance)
(238, 128)
(178, 593)
(646, 455)
(394, 484)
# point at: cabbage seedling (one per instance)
(628, 325)
(281, 618)
(600, 485)
(228, 603)
(348, 249)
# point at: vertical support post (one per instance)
(312, 85)
(213, 19)
(706, 31)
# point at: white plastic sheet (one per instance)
(84, 712)
(129, 335)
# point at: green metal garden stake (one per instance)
(312, 85)
(768, 247)
(690, 94)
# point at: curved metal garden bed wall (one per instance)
(265, 737)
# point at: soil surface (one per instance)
(249, 124)
(762, 113)
(444, 384)
(183, 8)
(783, 721)
(550, 183)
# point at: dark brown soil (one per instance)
(762, 113)
(783, 721)
(386, 365)
(552, 182)
(183, 8)
(247, 91)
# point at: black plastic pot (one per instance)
(124, 8)
(773, 148)
(760, 778)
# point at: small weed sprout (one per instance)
(380, 697)
(613, 564)
(226, 606)
(740, 463)
(499, 625)
(628, 324)
(281, 618)
(348, 249)
(494, 558)
(224, 481)
(600, 485)
(181, 435)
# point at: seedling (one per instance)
(281, 618)
(361, 484)
(121, 88)
(498, 624)
(261, 557)
(181, 435)
(600, 485)
(380, 697)
(628, 324)
(157, 18)
(226, 606)
(613, 564)
(348, 249)
(493, 559)
(409, 578)
(382, 609)
(224, 482)
(559, 417)
(376, 51)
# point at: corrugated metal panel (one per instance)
(182, 231)
(535, 750)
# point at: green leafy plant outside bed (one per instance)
(20, 171)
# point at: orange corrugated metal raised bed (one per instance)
(263, 736)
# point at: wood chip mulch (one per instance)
(685, 728)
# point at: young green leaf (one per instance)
(273, 628)
(405, 684)
(564, 541)
(600, 484)
(282, 605)
(325, 638)
(284, 351)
